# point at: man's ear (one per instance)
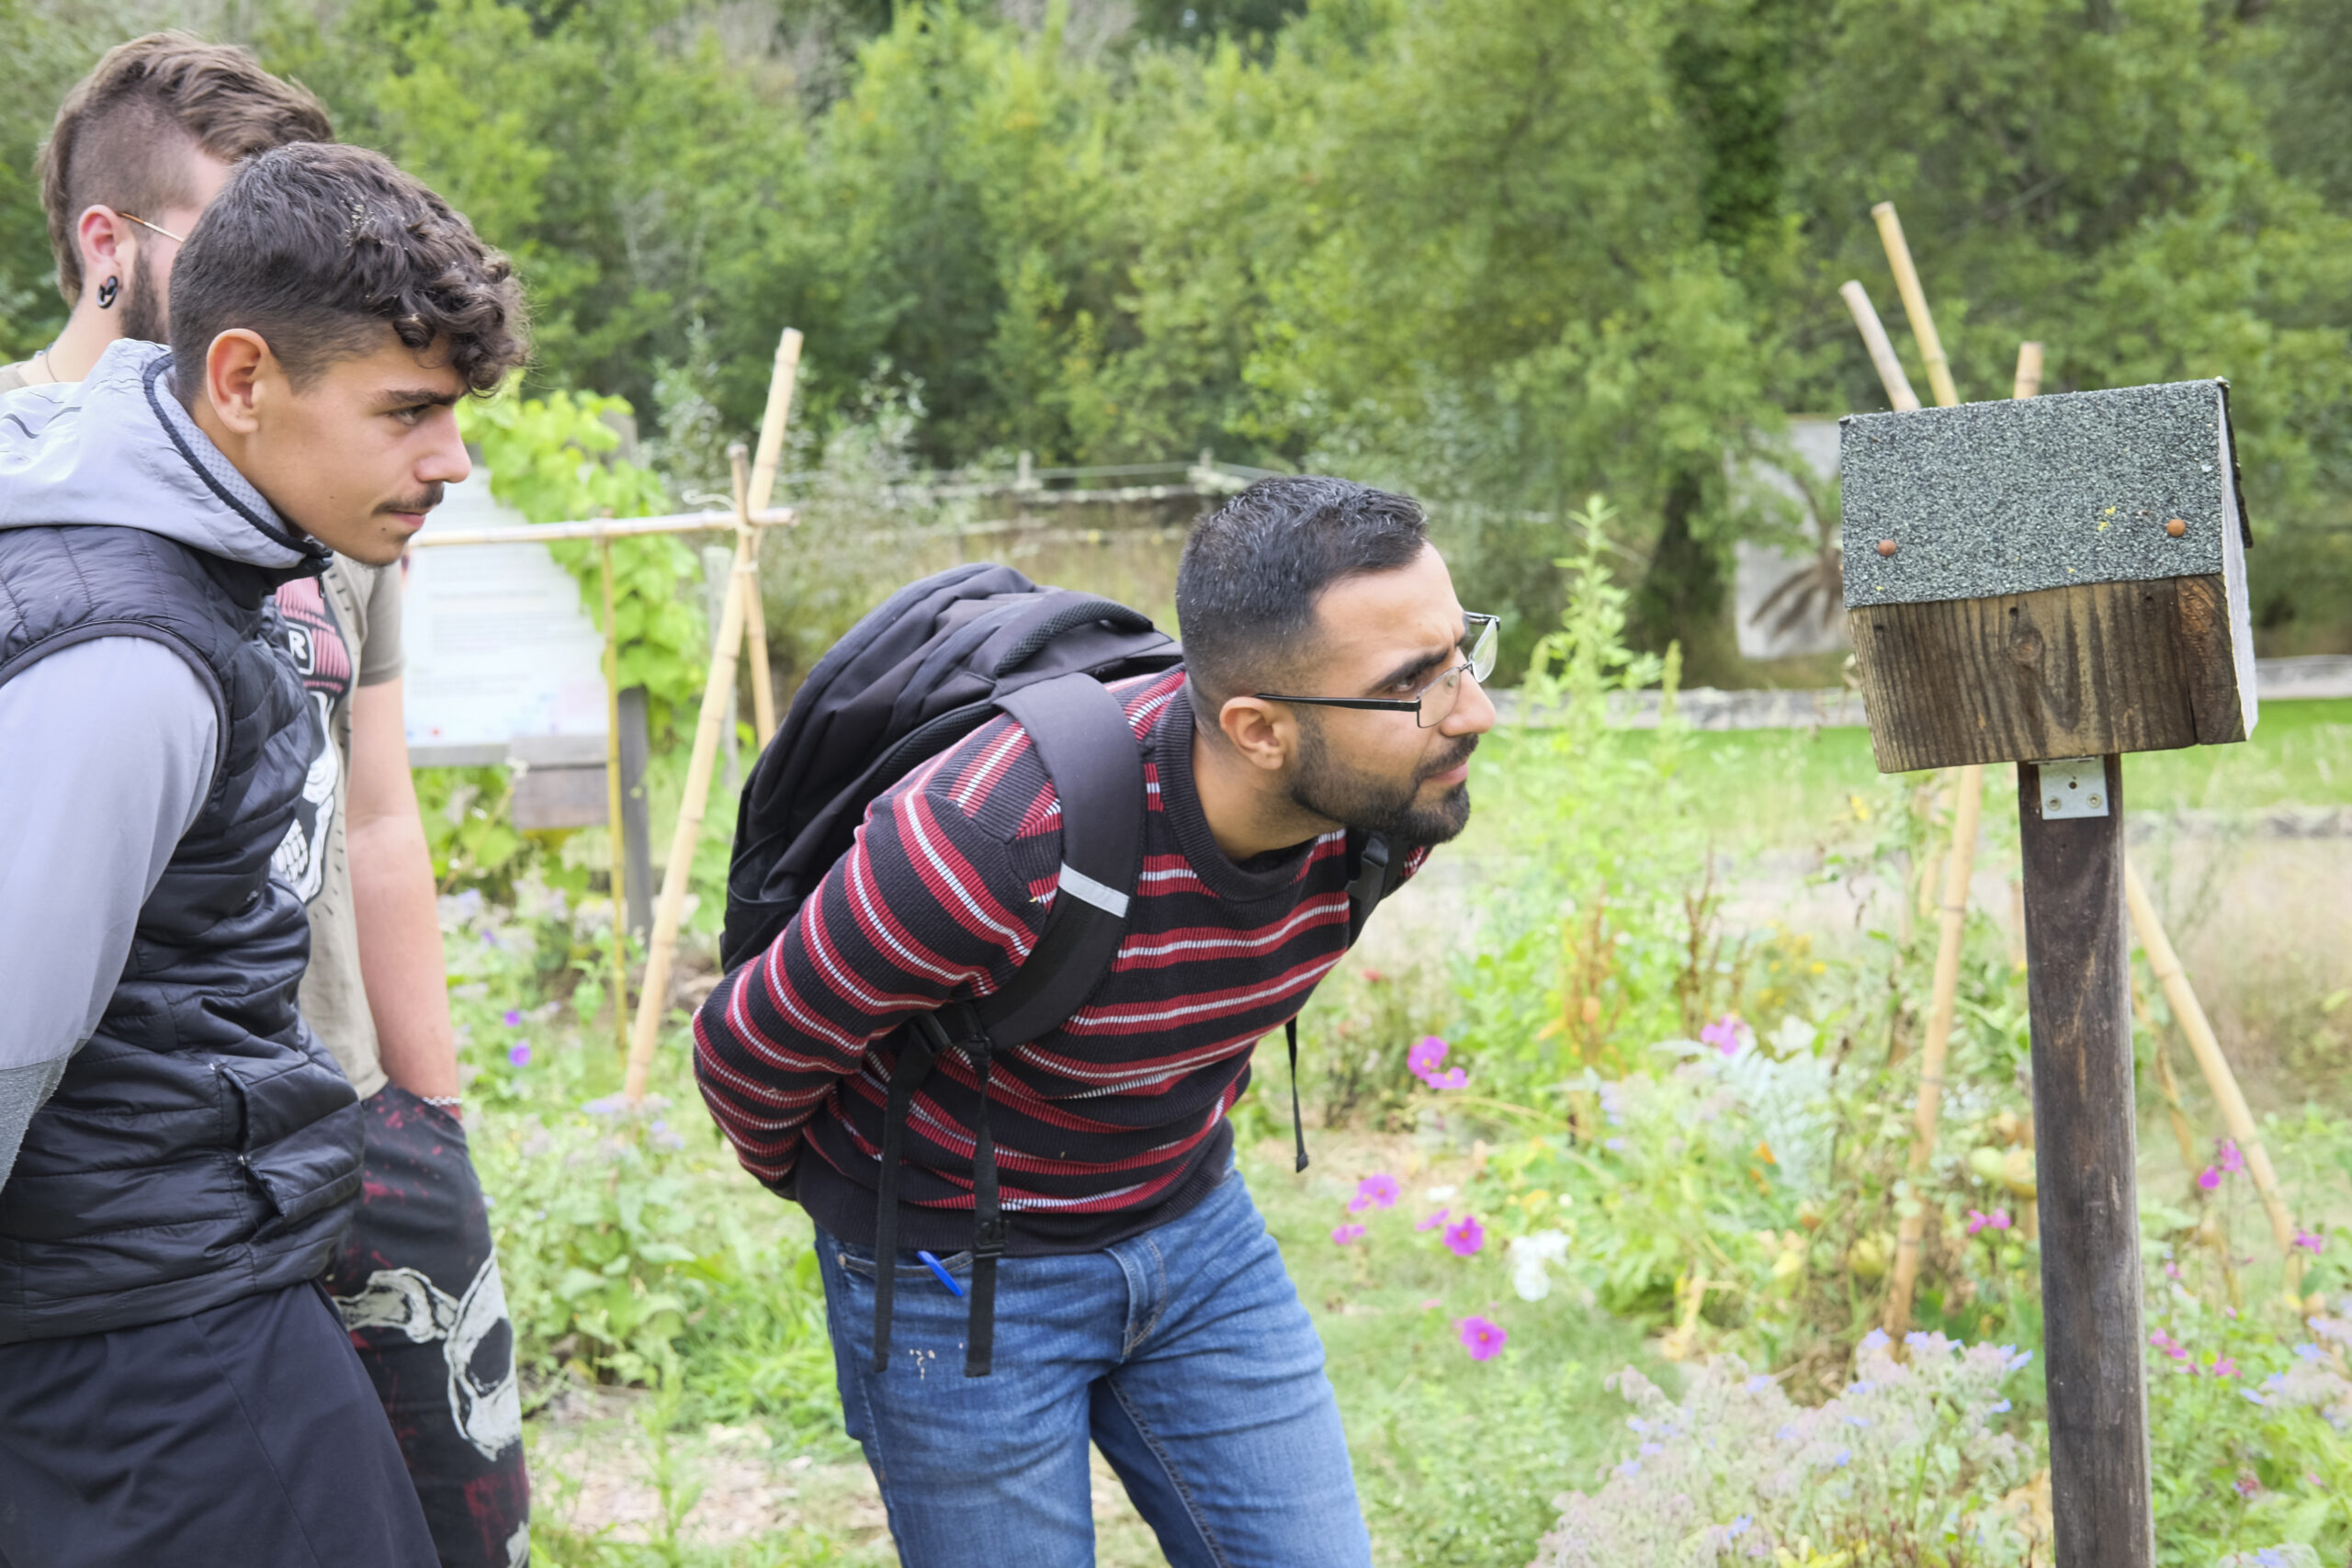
(1264, 733)
(235, 368)
(106, 245)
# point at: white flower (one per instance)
(1528, 1254)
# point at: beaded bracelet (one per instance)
(442, 1101)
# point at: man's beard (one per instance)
(143, 313)
(1372, 804)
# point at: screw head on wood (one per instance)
(2176, 527)
(1886, 547)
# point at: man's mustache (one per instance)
(424, 499)
(1451, 761)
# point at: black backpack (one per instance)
(938, 659)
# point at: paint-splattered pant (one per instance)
(418, 1288)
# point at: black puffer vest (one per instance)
(202, 1146)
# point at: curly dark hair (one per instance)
(318, 247)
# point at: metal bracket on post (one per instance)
(2073, 786)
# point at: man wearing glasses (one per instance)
(1331, 691)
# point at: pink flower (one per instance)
(519, 1056)
(513, 1019)
(1434, 1220)
(1453, 1078)
(1977, 1221)
(2226, 1368)
(1726, 1034)
(1426, 1056)
(2310, 1241)
(1377, 1190)
(1346, 1234)
(1465, 1237)
(2209, 1178)
(1432, 1304)
(2248, 1487)
(1483, 1338)
(2231, 1162)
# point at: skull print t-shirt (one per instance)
(343, 629)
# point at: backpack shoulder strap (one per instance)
(1380, 871)
(1090, 753)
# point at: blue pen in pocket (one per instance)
(940, 1270)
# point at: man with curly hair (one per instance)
(138, 148)
(179, 1155)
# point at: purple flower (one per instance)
(1427, 1055)
(1377, 1190)
(2248, 1487)
(1346, 1234)
(1483, 1338)
(1465, 1237)
(1453, 1078)
(520, 1055)
(610, 1105)
(2311, 1240)
(1434, 1220)
(1726, 1034)
(2226, 1368)
(2230, 1160)
(513, 1019)
(2209, 1178)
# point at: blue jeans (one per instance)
(1182, 1353)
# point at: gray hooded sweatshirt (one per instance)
(107, 746)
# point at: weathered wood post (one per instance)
(2055, 584)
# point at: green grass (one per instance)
(1781, 785)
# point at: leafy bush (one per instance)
(627, 1244)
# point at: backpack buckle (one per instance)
(987, 1238)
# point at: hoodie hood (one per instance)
(118, 450)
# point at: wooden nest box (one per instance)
(2055, 578)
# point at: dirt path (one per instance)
(597, 1472)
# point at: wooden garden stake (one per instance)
(2078, 987)
(717, 713)
(1959, 863)
(1914, 305)
(769, 455)
(2227, 1097)
(613, 796)
(1883, 357)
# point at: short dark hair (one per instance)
(319, 247)
(1253, 570)
(124, 136)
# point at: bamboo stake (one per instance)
(1883, 356)
(2190, 1015)
(612, 797)
(629, 528)
(763, 485)
(1960, 865)
(717, 711)
(1914, 305)
(2029, 381)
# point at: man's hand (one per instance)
(392, 897)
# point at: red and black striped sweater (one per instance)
(1109, 1125)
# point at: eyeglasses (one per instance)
(1437, 701)
(157, 227)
